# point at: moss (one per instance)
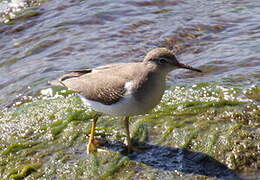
(24, 172)
(79, 115)
(189, 138)
(58, 126)
(18, 146)
(139, 131)
(114, 166)
(52, 131)
(254, 93)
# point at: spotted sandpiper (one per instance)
(124, 89)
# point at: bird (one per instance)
(123, 89)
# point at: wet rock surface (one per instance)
(201, 131)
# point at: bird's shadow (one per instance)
(180, 159)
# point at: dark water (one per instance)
(220, 37)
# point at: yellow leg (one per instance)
(130, 146)
(129, 142)
(91, 145)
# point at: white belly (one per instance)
(127, 106)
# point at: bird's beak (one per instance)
(184, 66)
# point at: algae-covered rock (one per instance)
(205, 131)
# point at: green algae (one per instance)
(163, 11)
(254, 93)
(25, 171)
(9, 62)
(46, 138)
(18, 146)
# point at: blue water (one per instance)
(75, 34)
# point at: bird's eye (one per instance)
(162, 61)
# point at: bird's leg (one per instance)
(91, 144)
(129, 142)
(130, 146)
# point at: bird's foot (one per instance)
(92, 146)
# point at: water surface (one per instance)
(220, 37)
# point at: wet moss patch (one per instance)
(25, 171)
(46, 137)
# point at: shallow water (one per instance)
(220, 37)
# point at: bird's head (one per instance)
(165, 60)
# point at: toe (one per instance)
(91, 148)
